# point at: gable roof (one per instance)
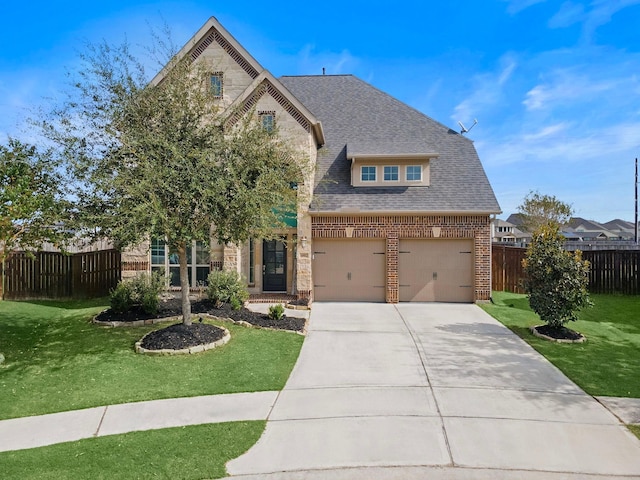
(359, 119)
(213, 31)
(287, 101)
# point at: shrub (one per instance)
(120, 297)
(227, 287)
(147, 289)
(557, 280)
(142, 290)
(276, 311)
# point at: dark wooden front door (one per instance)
(274, 266)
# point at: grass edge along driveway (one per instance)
(608, 363)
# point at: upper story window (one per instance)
(368, 174)
(216, 80)
(391, 173)
(414, 173)
(268, 120)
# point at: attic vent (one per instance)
(267, 87)
(214, 35)
(291, 110)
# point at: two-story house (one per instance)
(395, 207)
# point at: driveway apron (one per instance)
(432, 385)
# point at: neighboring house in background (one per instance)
(507, 233)
(579, 233)
(397, 206)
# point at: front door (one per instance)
(274, 266)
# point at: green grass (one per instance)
(608, 364)
(193, 452)
(635, 429)
(57, 360)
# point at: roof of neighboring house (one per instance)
(619, 225)
(360, 120)
(577, 223)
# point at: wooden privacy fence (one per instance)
(612, 271)
(54, 275)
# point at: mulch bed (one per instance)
(173, 308)
(179, 336)
(561, 333)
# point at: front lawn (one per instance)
(608, 364)
(186, 453)
(57, 360)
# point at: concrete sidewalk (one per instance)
(30, 432)
(437, 391)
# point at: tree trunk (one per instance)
(184, 282)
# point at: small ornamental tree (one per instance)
(556, 279)
(537, 210)
(162, 158)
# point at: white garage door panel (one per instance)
(349, 270)
(436, 270)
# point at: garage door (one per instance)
(349, 270)
(436, 270)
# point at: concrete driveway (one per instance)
(444, 390)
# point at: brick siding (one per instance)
(393, 228)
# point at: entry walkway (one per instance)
(431, 389)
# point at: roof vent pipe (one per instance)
(323, 71)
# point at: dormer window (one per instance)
(268, 120)
(216, 84)
(414, 173)
(388, 171)
(391, 173)
(368, 174)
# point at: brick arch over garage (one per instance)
(394, 228)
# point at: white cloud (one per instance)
(487, 90)
(311, 62)
(599, 12)
(516, 6)
(565, 86)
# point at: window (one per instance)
(216, 84)
(268, 120)
(414, 173)
(391, 174)
(368, 174)
(252, 261)
(197, 262)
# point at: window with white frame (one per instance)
(391, 173)
(414, 173)
(162, 259)
(368, 174)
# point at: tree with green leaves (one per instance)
(556, 280)
(537, 210)
(162, 159)
(32, 204)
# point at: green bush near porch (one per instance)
(608, 364)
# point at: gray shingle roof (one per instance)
(359, 119)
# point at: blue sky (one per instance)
(555, 85)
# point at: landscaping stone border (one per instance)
(297, 307)
(184, 351)
(558, 340)
(135, 323)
